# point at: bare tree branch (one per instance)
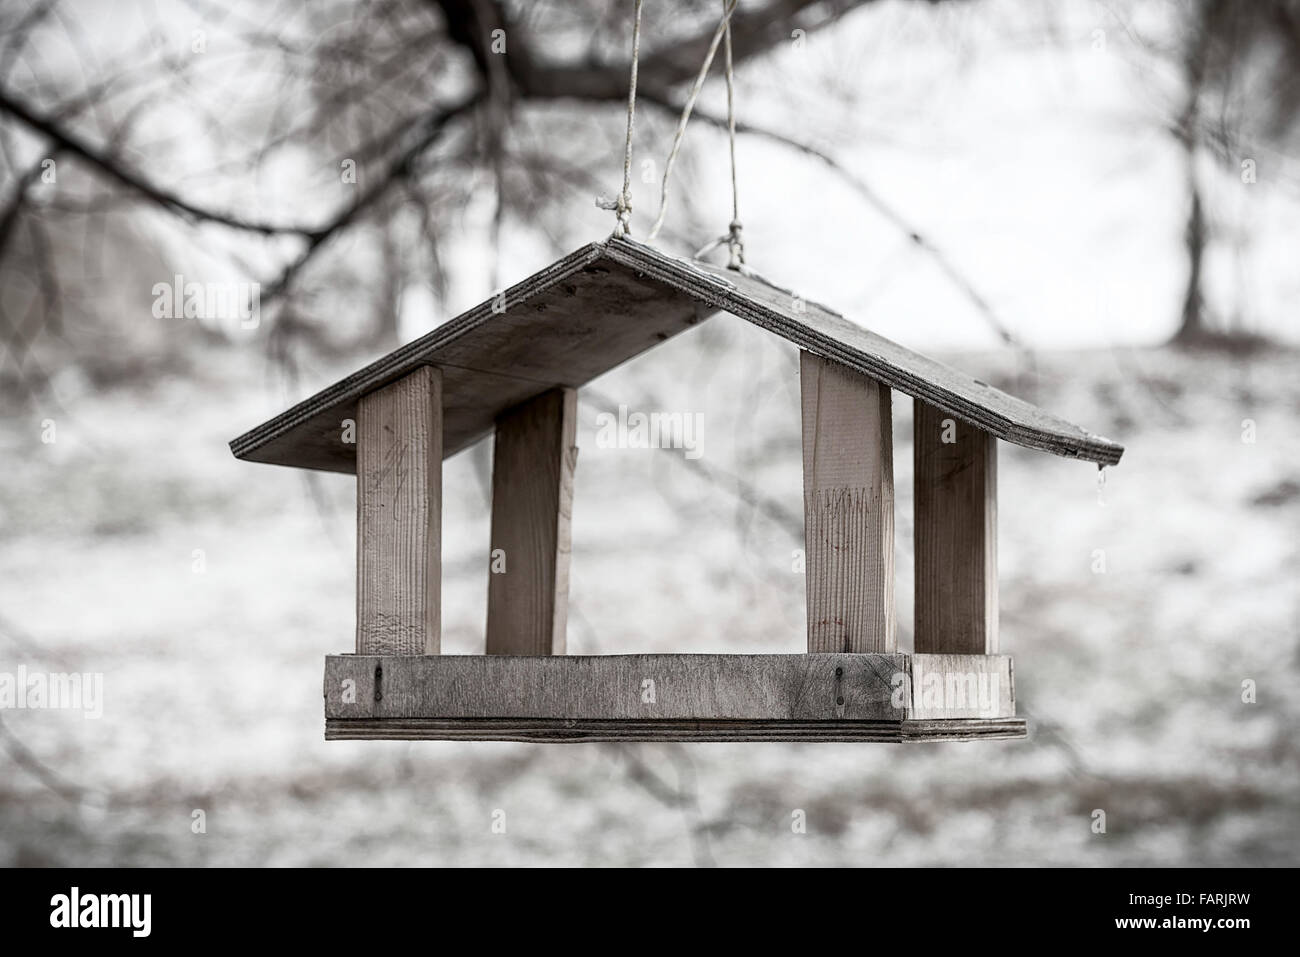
(429, 133)
(471, 22)
(874, 199)
(70, 143)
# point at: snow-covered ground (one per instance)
(207, 591)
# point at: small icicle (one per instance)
(1101, 485)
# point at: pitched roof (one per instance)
(600, 306)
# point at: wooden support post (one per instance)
(848, 494)
(956, 516)
(399, 516)
(532, 504)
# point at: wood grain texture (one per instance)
(848, 487)
(563, 326)
(605, 303)
(399, 516)
(804, 687)
(532, 508)
(811, 697)
(560, 731)
(956, 536)
(624, 687)
(823, 331)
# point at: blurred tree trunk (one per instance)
(384, 333)
(1193, 323)
(1187, 130)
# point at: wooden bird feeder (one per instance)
(512, 366)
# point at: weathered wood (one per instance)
(600, 306)
(532, 505)
(659, 687)
(619, 686)
(824, 332)
(399, 516)
(848, 489)
(956, 537)
(564, 326)
(562, 731)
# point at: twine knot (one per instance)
(735, 245)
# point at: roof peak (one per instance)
(603, 304)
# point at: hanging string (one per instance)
(733, 238)
(724, 26)
(735, 243)
(622, 206)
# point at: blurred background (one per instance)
(1092, 205)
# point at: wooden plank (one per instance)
(812, 697)
(600, 306)
(399, 516)
(562, 731)
(532, 505)
(848, 487)
(619, 687)
(956, 536)
(563, 326)
(804, 687)
(824, 332)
